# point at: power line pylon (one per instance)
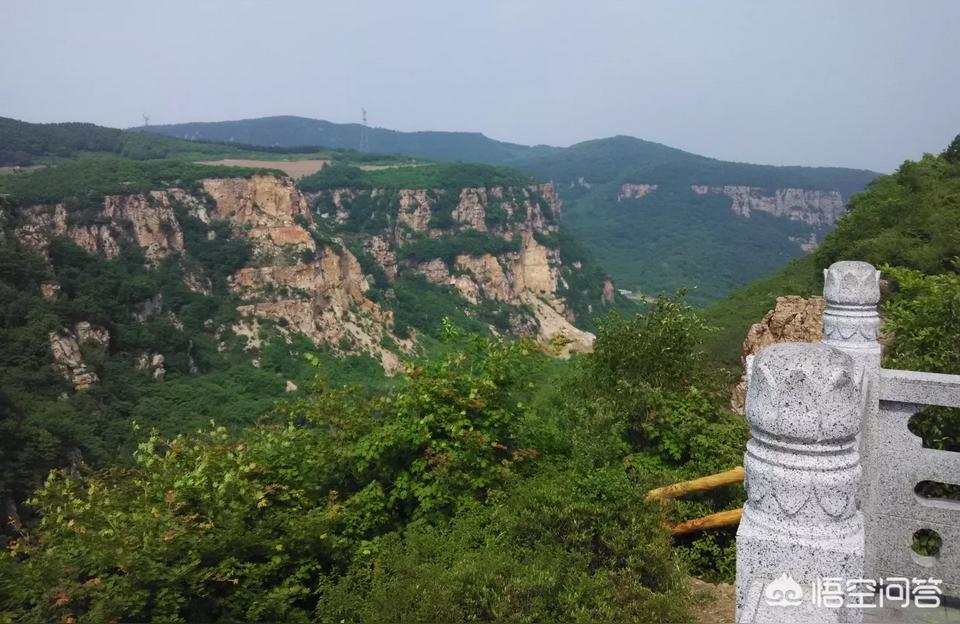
(364, 132)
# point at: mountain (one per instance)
(295, 131)
(658, 218)
(906, 220)
(171, 293)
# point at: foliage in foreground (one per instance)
(922, 322)
(477, 490)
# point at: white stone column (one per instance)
(804, 405)
(851, 323)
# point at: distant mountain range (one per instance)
(287, 131)
(657, 218)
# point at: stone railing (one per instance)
(832, 468)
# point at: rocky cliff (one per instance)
(635, 191)
(266, 207)
(67, 356)
(435, 233)
(302, 287)
(792, 319)
(147, 220)
(490, 246)
(324, 300)
(813, 207)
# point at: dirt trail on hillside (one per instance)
(713, 604)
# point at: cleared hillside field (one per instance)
(296, 169)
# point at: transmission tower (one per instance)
(364, 132)
(146, 120)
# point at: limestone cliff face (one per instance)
(813, 207)
(382, 253)
(535, 268)
(296, 285)
(471, 211)
(67, 357)
(414, 208)
(635, 191)
(145, 219)
(792, 319)
(517, 278)
(486, 278)
(323, 300)
(264, 206)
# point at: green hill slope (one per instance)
(674, 237)
(23, 143)
(910, 220)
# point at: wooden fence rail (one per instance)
(703, 484)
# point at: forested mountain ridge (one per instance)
(287, 130)
(23, 144)
(658, 218)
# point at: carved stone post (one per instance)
(804, 405)
(851, 323)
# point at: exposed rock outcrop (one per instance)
(527, 278)
(435, 270)
(608, 292)
(341, 199)
(50, 291)
(154, 225)
(414, 209)
(153, 363)
(813, 207)
(555, 330)
(487, 278)
(94, 335)
(323, 300)
(67, 357)
(379, 249)
(265, 207)
(548, 192)
(535, 268)
(635, 191)
(322, 294)
(145, 219)
(792, 319)
(471, 211)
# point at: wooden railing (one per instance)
(718, 520)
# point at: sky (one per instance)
(857, 83)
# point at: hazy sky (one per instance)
(835, 82)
